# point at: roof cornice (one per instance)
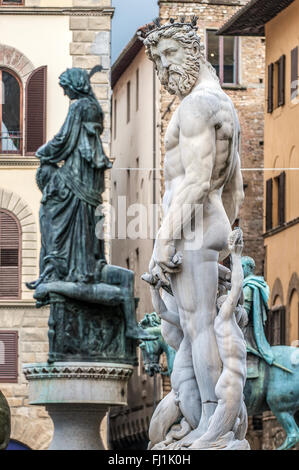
(125, 58)
(250, 20)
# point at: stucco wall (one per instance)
(282, 153)
(52, 37)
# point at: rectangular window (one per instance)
(128, 101)
(223, 53)
(275, 327)
(269, 204)
(281, 179)
(137, 89)
(294, 73)
(270, 87)
(281, 80)
(275, 197)
(276, 84)
(115, 118)
(8, 356)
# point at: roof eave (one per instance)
(125, 58)
(250, 20)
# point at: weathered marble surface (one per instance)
(203, 193)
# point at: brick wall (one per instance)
(249, 102)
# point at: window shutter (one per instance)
(8, 356)
(281, 198)
(294, 73)
(36, 110)
(282, 313)
(270, 87)
(9, 257)
(269, 194)
(281, 80)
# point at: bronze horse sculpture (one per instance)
(278, 391)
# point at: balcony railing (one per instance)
(10, 143)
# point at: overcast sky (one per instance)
(129, 15)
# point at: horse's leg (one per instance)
(287, 420)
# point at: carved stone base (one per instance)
(226, 443)
(77, 397)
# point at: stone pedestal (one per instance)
(77, 397)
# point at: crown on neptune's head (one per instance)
(157, 26)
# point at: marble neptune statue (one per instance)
(203, 194)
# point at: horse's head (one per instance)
(150, 320)
(152, 350)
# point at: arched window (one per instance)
(10, 256)
(11, 112)
(294, 316)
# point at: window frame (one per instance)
(274, 312)
(11, 72)
(294, 59)
(221, 58)
(15, 379)
(11, 3)
(137, 89)
(128, 96)
(19, 297)
(114, 118)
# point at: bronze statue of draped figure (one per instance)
(72, 192)
(92, 303)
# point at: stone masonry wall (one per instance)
(31, 425)
(248, 99)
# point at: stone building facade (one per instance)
(277, 21)
(247, 94)
(47, 36)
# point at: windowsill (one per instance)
(17, 303)
(280, 228)
(19, 160)
(294, 102)
(231, 86)
(276, 113)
